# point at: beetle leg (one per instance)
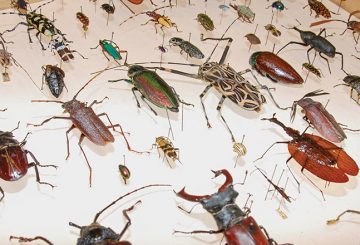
(82, 136)
(95, 47)
(327, 62)
(308, 56)
(25, 239)
(279, 142)
(128, 223)
(202, 103)
(67, 140)
(2, 193)
(105, 55)
(126, 52)
(147, 22)
(292, 42)
(37, 36)
(270, 240)
(98, 102)
(36, 164)
(174, 25)
(137, 101)
(74, 51)
(47, 120)
(178, 97)
(333, 221)
(219, 106)
(199, 231)
(342, 62)
(144, 99)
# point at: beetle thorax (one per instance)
(73, 105)
(95, 234)
(206, 69)
(307, 36)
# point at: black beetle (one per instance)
(54, 77)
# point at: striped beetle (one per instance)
(38, 22)
(228, 82)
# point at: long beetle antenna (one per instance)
(131, 17)
(88, 83)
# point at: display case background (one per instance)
(30, 209)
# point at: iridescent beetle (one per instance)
(111, 48)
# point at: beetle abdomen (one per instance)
(55, 83)
(13, 163)
(271, 65)
(192, 50)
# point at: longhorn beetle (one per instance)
(226, 80)
(38, 22)
(84, 118)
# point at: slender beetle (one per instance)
(84, 118)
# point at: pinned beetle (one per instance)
(54, 77)
(235, 224)
(353, 82)
(187, 47)
(270, 65)
(205, 21)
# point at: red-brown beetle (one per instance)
(237, 226)
(270, 65)
(319, 117)
(84, 118)
(317, 155)
(13, 159)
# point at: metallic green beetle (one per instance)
(111, 48)
(152, 88)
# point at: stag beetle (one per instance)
(236, 224)
(319, 43)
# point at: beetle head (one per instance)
(176, 41)
(351, 79)
(72, 106)
(95, 234)
(133, 69)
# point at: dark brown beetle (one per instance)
(84, 118)
(13, 159)
(237, 226)
(96, 234)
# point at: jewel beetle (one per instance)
(270, 65)
(14, 163)
(54, 77)
(111, 48)
(205, 21)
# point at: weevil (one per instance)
(272, 66)
(312, 69)
(273, 30)
(63, 50)
(317, 155)
(158, 19)
(334, 221)
(96, 234)
(54, 77)
(90, 125)
(319, 43)
(40, 23)
(20, 5)
(233, 222)
(124, 171)
(26, 239)
(319, 9)
(168, 149)
(14, 163)
(111, 48)
(353, 25)
(353, 82)
(205, 21)
(186, 47)
(228, 82)
(244, 13)
(320, 118)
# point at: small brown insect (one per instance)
(319, 9)
(84, 20)
(252, 38)
(312, 69)
(167, 147)
(124, 171)
(273, 30)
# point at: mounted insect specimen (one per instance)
(187, 47)
(272, 66)
(158, 19)
(319, 43)
(124, 171)
(84, 21)
(239, 149)
(334, 221)
(205, 21)
(233, 222)
(63, 50)
(353, 25)
(273, 30)
(278, 5)
(353, 82)
(319, 9)
(110, 48)
(14, 163)
(20, 5)
(226, 81)
(109, 9)
(95, 233)
(317, 155)
(312, 69)
(40, 23)
(244, 13)
(26, 239)
(168, 149)
(54, 77)
(252, 38)
(84, 118)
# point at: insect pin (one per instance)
(14, 162)
(334, 221)
(124, 171)
(26, 239)
(205, 21)
(109, 9)
(163, 143)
